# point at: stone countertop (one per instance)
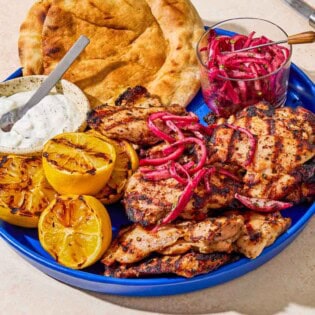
(284, 285)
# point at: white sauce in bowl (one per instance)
(53, 115)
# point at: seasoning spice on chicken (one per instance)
(266, 157)
(187, 132)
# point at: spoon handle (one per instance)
(56, 74)
(302, 38)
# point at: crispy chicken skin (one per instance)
(136, 242)
(128, 119)
(188, 265)
(285, 150)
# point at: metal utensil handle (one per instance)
(312, 19)
(302, 38)
(254, 47)
(57, 73)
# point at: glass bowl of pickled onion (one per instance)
(232, 80)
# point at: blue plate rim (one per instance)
(243, 264)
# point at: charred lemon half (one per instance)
(75, 230)
(24, 190)
(126, 164)
(78, 163)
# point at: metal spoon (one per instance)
(301, 38)
(10, 118)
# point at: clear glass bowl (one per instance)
(225, 95)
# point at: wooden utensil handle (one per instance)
(302, 38)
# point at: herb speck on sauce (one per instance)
(54, 114)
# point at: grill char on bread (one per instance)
(147, 42)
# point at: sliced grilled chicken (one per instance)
(188, 265)
(128, 121)
(182, 247)
(134, 243)
(264, 119)
(246, 232)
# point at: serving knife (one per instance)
(303, 8)
(8, 119)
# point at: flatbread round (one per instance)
(135, 42)
(30, 39)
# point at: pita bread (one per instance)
(30, 39)
(135, 42)
(178, 79)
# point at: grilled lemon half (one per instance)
(75, 230)
(24, 190)
(78, 163)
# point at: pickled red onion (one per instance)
(183, 199)
(263, 205)
(223, 60)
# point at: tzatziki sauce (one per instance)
(53, 115)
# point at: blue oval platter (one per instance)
(25, 241)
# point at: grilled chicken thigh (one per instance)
(282, 168)
(260, 231)
(190, 248)
(188, 265)
(148, 201)
(285, 151)
(259, 156)
(136, 242)
(128, 121)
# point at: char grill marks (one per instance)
(136, 242)
(285, 143)
(282, 166)
(187, 265)
(128, 121)
(190, 248)
(259, 231)
(148, 201)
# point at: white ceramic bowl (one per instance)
(70, 90)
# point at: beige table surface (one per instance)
(284, 285)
